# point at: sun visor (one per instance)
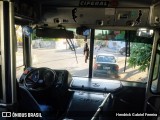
(54, 33)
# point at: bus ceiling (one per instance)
(111, 3)
(109, 14)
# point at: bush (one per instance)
(140, 55)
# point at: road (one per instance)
(65, 59)
(61, 59)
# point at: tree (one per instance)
(140, 55)
(140, 50)
(18, 29)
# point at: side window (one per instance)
(19, 52)
(155, 82)
(0, 61)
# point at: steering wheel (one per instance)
(40, 79)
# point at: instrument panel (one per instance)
(43, 78)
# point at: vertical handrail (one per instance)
(8, 56)
(12, 51)
(27, 50)
(101, 107)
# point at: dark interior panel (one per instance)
(96, 85)
(84, 105)
(26, 12)
(152, 107)
(79, 98)
(127, 97)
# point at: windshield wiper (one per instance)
(72, 47)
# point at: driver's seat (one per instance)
(27, 104)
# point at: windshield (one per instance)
(105, 58)
(109, 60)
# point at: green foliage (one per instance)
(33, 35)
(80, 42)
(140, 55)
(110, 35)
(98, 36)
(50, 39)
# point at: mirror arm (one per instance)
(72, 47)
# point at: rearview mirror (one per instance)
(144, 32)
(54, 33)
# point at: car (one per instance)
(122, 50)
(105, 65)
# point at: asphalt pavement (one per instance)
(66, 59)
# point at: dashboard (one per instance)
(43, 78)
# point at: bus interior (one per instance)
(47, 74)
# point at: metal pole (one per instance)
(151, 69)
(91, 53)
(95, 116)
(27, 50)
(13, 52)
(8, 63)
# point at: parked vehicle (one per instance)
(122, 50)
(105, 65)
